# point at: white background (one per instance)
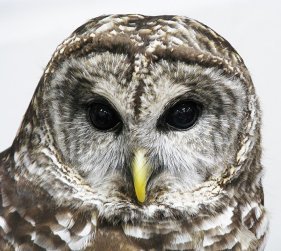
(30, 30)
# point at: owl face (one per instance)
(142, 117)
(143, 133)
(184, 118)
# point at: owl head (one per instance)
(153, 114)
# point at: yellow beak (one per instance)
(141, 171)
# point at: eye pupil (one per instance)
(103, 116)
(183, 115)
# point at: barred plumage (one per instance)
(68, 185)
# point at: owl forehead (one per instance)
(151, 38)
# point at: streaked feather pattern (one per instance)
(65, 186)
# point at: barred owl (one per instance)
(143, 134)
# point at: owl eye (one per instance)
(103, 116)
(183, 115)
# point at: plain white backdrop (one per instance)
(30, 30)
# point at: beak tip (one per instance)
(141, 198)
(140, 192)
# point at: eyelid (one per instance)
(186, 97)
(99, 99)
(181, 99)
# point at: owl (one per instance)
(143, 134)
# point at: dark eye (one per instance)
(103, 116)
(183, 115)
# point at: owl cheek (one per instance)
(188, 167)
